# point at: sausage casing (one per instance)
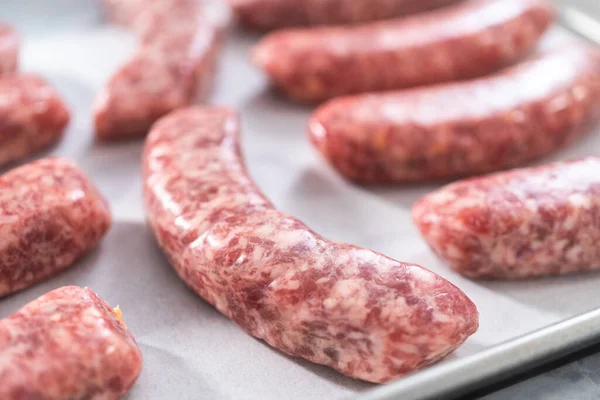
(51, 214)
(522, 223)
(463, 128)
(468, 40)
(355, 310)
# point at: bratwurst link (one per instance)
(352, 309)
(9, 50)
(465, 41)
(52, 214)
(173, 66)
(522, 223)
(463, 128)
(32, 116)
(67, 345)
(274, 14)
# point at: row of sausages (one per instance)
(434, 96)
(32, 114)
(357, 311)
(173, 66)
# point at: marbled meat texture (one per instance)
(463, 128)
(517, 224)
(50, 215)
(352, 309)
(275, 14)
(32, 116)
(67, 345)
(467, 40)
(173, 66)
(9, 50)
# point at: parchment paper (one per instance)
(190, 350)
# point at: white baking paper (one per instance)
(190, 350)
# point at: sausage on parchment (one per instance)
(352, 309)
(275, 14)
(173, 66)
(124, 12)
(522, 223)
(67, 345)
(50, 215)
(467, 40)
(32, 116)
(9, 50)
(463, 128)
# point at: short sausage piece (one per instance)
(463, 128)
(522, 223)
(124, 12)
(275, 14)
(9, 50)
(352, 309)
(67, 345)
(173, 67)
(50, 215)
(458, 42)
(32, 117)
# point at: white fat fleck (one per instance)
(76, 194)
(355, 335)
(531, 205)
(318, 130)
(580, 200)
(290, 238)
(293, 285)
(442, 196)
(559, 103)
(408, 348)
(241, 259)
(573, 254)
(351, 294)
(422, 276)
(346, 287)
(330, 303)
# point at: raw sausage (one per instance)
(517, 224)
(9, 50)
(173, 67)
(50, 215)
(32, 116)
(468, 40)
(274, 14)
(67, 345)
(463, 128)
(355, 310)
(124, 12)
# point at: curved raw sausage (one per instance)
(173, 67)
(67, 345)
(517, 224)
(275, 14)
(468, 40)
(9, 50)
(51, 215)
(32, 116)
(463, 128)
(355, 310)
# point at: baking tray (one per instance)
(190, 350)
